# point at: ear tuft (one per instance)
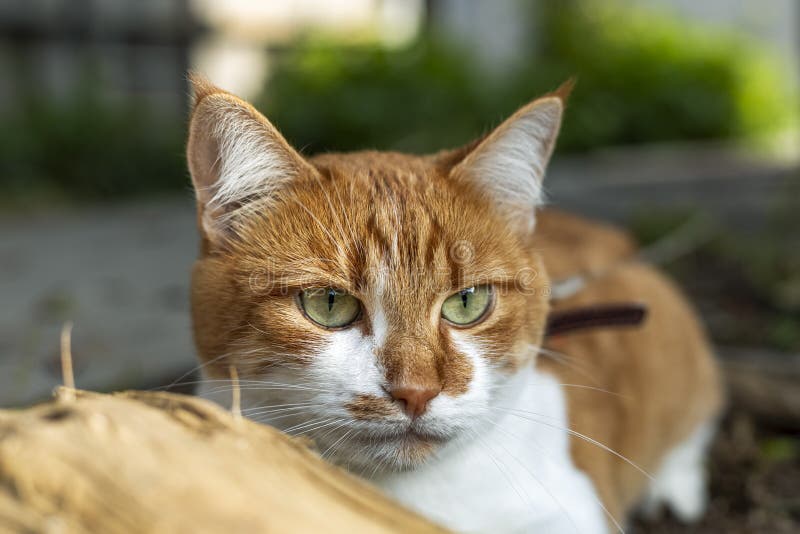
(564, 91)
(201, 87)
(509, 164)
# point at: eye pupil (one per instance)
(331, 308)
(467, 306)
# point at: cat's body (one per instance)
(625, 388)
(663, 375)
(452, 406)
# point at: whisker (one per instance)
(330, 431)
(306, 424)
(593, 388)
(270, 387)
(506, 475)
(194, 369)
(271, 406)
(178, 382)
(297, 410)
(329, 449)
(568, 361)
(270, 421)
(498, 387)
(379, 465)
(578, 435)
(540, 483)
(549, 458)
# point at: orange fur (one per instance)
(662, 377)
(335, 224)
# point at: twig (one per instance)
(236, 402)
(67, 376)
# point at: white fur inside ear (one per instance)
(511, 162)
(236, 158)
(250, 163)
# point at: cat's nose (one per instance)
(414, 399)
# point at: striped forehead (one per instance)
(411, 232)
(409, 242)
(402, 225)
(408, 231)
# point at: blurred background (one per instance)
(683, 111)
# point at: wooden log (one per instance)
(161, 462)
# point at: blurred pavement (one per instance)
(121, 272)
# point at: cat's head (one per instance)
(374, 302)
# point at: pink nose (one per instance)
(415, 399)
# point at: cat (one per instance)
(392, 308)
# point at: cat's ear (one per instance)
(235, 157)
(509, 164)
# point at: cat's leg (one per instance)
(681, 482)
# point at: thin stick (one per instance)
(67, 376)
(236, 402)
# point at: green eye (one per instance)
(330, 308)
(468, 305)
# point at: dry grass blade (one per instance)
(67, 374)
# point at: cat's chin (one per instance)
(394, 453)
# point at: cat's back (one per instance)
(641, 391)
(570, 244)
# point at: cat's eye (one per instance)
(330, 308)
(468, 306)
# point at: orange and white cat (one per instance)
(392, 308)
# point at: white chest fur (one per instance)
(515, 474)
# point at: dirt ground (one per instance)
(755, 484)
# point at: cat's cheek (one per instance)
(464, 407)
(347, 367)
(516, 324)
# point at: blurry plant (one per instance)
(84, 147)
(328, 97)
(780, 449)
(642, 77)
(647, 76)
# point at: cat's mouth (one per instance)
(408, 436)
(397, 448)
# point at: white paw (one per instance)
(684, 492)
(681, 481)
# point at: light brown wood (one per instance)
(160, 462)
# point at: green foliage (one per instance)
(647, 76)
(780, 449)
(328, 97)
(84, 147)
(642, 77)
